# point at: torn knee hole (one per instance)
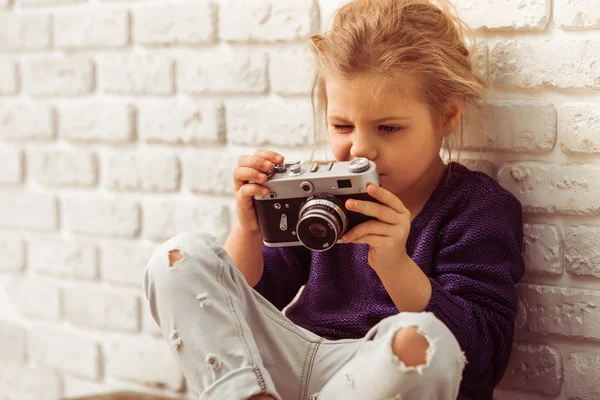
(410, 346)
(174, 257)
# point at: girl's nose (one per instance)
(362, 147)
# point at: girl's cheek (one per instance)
(340, 146)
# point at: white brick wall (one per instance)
(120, 126)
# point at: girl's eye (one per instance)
(389, 129)
(342, 128)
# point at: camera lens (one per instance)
(318, 230)
(321, 222)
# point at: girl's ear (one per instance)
(452, 116)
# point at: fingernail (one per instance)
(262, 176)
(279, 158)
(350, 204)
(267, 164)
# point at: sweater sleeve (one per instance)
(474, 293)
(285, 271)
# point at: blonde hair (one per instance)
(386, 38)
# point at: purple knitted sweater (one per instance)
(467, 240)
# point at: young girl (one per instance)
(415, 304)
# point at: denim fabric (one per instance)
(231, 343)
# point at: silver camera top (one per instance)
(295, 179)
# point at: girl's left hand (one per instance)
(387, 234)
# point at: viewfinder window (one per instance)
(344, 183)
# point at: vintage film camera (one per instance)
(306, 203)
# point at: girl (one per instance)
(417, 303)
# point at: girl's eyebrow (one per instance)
(377, 121)
(380, 120)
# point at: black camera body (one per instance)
(306, 203)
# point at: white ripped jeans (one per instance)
(231, 343)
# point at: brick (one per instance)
(13, 346)
(291, 71)
(145, 360)
(579, 128)
(515, 126)
(58, 76)
(182, 23)
(223, 71)
(582, 250)
(136, 74)
(67, 259)
(165, 219)
(576, 14)
(42, 3)
(24, 31)
(267, 20)
(554, 188)
(534, 368)
(101, 216)
(492, 15)
(23, 382)
(11, 165)
(123, 263)
(569, 64)
(181, 121)
(27, 121)
(328, 9)
(251, 122)
(35, 211)
(9, 80)
(91, 29)
(13, 254)
(97, 122)
(98, 307)
(147, 170)
(542, 249)
(566, 312)
(480, 58)
(35, 297)
(58, 168)
(209, 171)
(581, 376)
(65, 350)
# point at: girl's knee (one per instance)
(410, 347)
(421, 339)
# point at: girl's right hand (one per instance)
(252, 168)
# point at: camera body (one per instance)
(306, 203)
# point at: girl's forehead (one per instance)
(371, 94)
(373, 88)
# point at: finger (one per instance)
(373, 226)
(388, 198)
(380, 211)
(254, 162)
(373, 241)
(247, 191)
(269, 155)
(242, 175)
